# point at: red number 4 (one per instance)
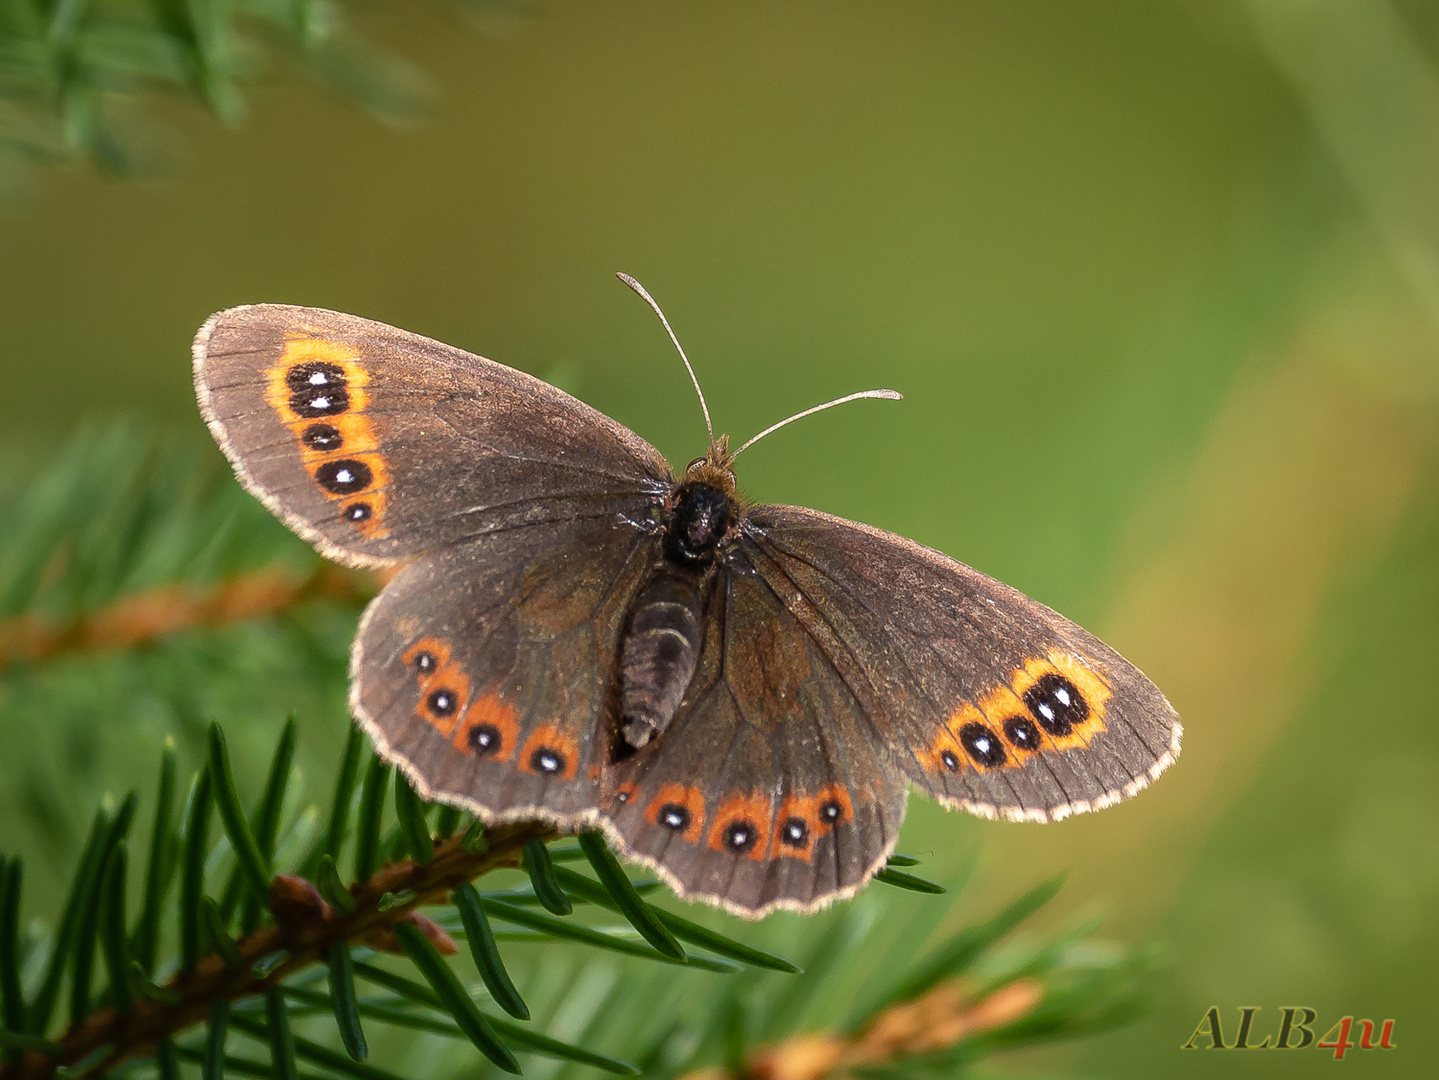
(1337, 1037)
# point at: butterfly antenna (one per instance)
(650, 300)
(886, 395)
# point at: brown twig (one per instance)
(930, 1024)
(135, 1033)
(141, 618)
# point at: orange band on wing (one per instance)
(318, 389)
(489, 730)
(679, 808)
(550, 751)
(444, 687)
(742, 826)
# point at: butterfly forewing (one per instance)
(375, 444)
(983, 697)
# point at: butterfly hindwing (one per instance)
(486, 670)
(375, 444)
(767, 790)
(986, 699)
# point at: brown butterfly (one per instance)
(738, 696)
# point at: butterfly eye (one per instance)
(692, 464)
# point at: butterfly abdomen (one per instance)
(661, 648)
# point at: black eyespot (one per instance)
(442, 702)
(344, 477)
(740, 836)
(1020, 731)
(950, 759)
(319, 401)
(322, 437)
(794, 832)
(485, 739)
(831, 811)
(315, 375)
(674, 816)
(1057, 704)
(982, 744)
(425, 662)
(546, 760)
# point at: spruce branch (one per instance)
(71, 72)
(303, 940)
(141, 618)
(219, 924)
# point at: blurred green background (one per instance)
(1160, 283)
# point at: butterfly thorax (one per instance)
(702, 509)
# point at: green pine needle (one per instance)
(340, 807)
(453, 997)
(343, 997)
(410, 812)
(681, 927)
(192, 874)
(537, 864)
(486, 953)
(251, 859)
(900, 880)
(617, 883)
(332, 887)
(160, 867)
(372, 810)
(212, 1064)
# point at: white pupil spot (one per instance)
(796, 833)
(319, 378)
(982, 745)
(442, 701)
(1062, 695)
(624, 796)
(344, 476)
(320, 402)
(1047, 711)
(739, 838)
(673, 820)
(549, 762)
(483, 739)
